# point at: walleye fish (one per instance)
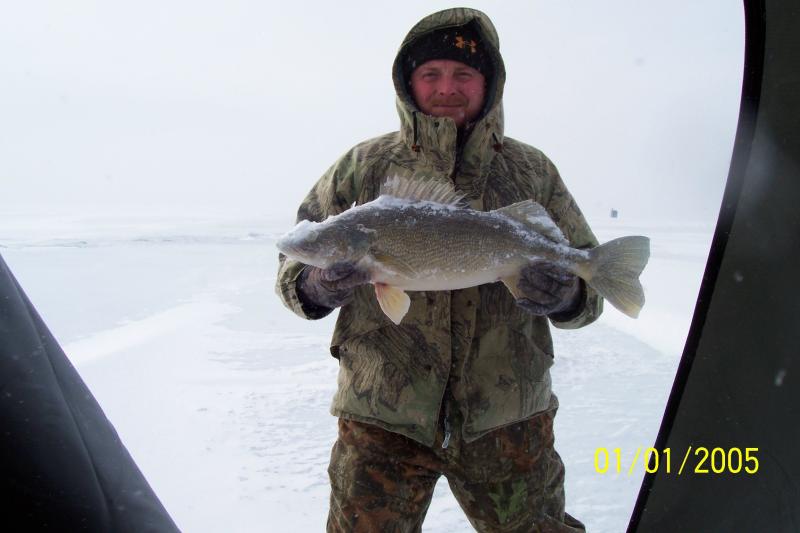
(420, 236)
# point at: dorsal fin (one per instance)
(418, 190)
(534, 216)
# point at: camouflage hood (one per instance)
(436, 138)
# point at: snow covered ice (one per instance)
(222, 395)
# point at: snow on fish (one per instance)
(420, 236)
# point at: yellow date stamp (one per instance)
(700, 460)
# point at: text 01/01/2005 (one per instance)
(704, 461)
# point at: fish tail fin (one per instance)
(613, 271)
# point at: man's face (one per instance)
(447, 88)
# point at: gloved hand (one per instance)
(331, 287)
(548, 289)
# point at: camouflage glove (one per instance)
(329, 288)
(548, 289)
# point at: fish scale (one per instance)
(452, 240)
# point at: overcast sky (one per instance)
(239, 107)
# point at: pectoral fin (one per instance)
(511, 283)
(393, 301)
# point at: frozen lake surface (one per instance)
(221, 394)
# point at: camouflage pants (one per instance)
(511, 479)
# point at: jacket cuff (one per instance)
(286, 288)
(590, 307)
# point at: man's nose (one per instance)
(447, 85)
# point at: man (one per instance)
(461, 387)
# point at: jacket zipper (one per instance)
(447, 427)
(446, 400)
(446, 440)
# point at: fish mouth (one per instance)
(283, 245)
(291, 243)
(288, 248)
(297, 252)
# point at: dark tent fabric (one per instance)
(738, 383)
(62, 465)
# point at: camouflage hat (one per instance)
(459, 43)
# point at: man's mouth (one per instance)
(448, 103)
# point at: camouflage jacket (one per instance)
(494, 355)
